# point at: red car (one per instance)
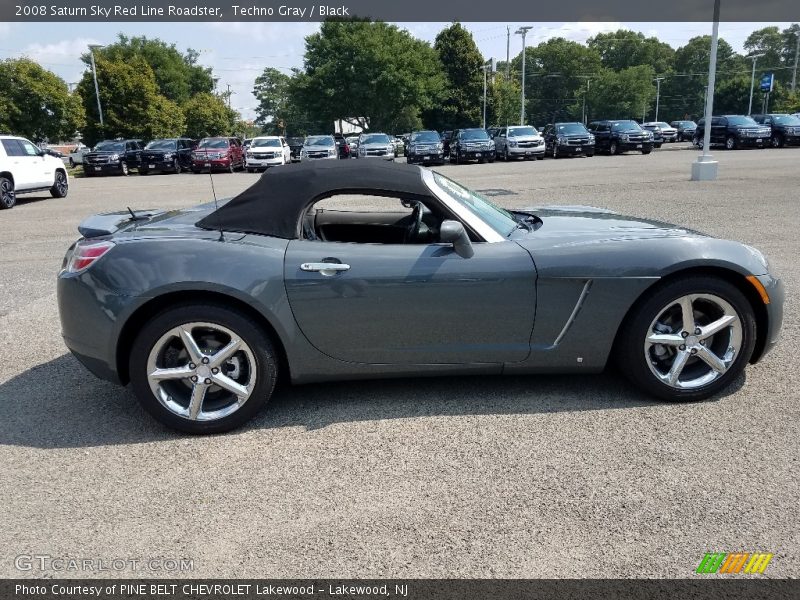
(218, 153)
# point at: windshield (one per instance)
(663, 125)
(571, 128)
(213, 143)
(161, 145)
(295, 141)
(497, 218)
(520, 131)
(474, 134)
(110, 147)
(376, 138)
(785, 120)
(741, 121)
(323, 140)
(684, 124)
(261, 143)
(425, 136)
(625, 126)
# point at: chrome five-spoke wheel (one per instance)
(693, 341)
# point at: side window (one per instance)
(28, 149)
(13, 148)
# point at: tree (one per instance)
(35, 103)
(272, 90)
(624, 94)
(461, 63)
(132, 106)
(361, 69)
(208, 115)
(769, 42)
(178, 76)
(504, 100)
(624, 48)
(555, 80)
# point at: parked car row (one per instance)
(739, 131)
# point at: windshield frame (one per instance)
(469, 135)
(274, 143)
(173, 145)
(205, 144)
(782, 120)
(370, 138)
(617, 126)
(742, 121)
(109, 146)
(418, 137)
(512, 131)
(314, 140)
(581, 128)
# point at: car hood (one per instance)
(525, 138)
(377, 145)
(569, 224)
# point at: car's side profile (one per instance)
(113, 156)
(618, 136)
(430, 279)
(171, 155)
(568, 139)
(26, 168)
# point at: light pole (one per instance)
(658, 93)
(704, 168)
(489, 65)
(755, 57)
(796, 57)
(92, 48)
(523, 31)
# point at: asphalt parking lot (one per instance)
(513, 477)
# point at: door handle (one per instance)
(325, 268)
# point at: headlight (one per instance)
(362, 150)
(168, 155)
(331, 152)
(114, 157)
(591, 139)
(561, 139)
(624, 137)
(439, 147)
(489, 145)
(390, 147)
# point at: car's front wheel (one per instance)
(730, 143)
(688, 339)
(60, 187)
(8, 197)
(203, 368)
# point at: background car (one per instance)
(658, 136)
(518, 141)
(113, 156)
(669, 133)
(733, 131)
(620, 135)
(399, 146)
(342, 146)
(375, 145)
(425, 147)
(75, 157)
(267, 151)
(171, 155)
(784, 129)
(218, 154)
(435, 280)
(471, 144)
(685, 129)
(26, 168)
(319, 147)
(295, 146)
(568, 138)
(352, 142)
(447, 137)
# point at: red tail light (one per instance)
(86, 253)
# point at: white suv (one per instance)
(25, 168)
(267, 151)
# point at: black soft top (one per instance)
(273, 205)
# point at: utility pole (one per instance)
(796, 56)
(508, 55)
(755, 57)
(487, 66)
(658, 93)
(92, 48)
(229, 95)
(523, 31)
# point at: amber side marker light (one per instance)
(759, 288)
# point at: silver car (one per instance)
(375, 145)
(319, 147)
(520, 141)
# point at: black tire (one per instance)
(613, 148)
(231, 168)
(123, 168)
(266, 364)
(195, 171)
(143, 171)
(176, 167)
(555, 150)
(629, 350)
(71, 163)
(777, 141)
(730, 143)
(60, 187)
(646, 151)
(8, 197)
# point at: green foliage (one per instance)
(364, 69)
(272, 92)
(624, 94)
(624, 48)
(208, 115)
(789, 103)
(461, 62)
(37, 104)
(178, 76)
(132, 106)
(504, 101)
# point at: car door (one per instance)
(21, 168)
(132, 154)
(413, 303)
(719, 130)
(40, 170)
(500, 140)
(602, 136)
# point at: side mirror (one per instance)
(453, 232)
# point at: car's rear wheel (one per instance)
(8, 197)
(688, 339)
(123, 168)
(777, 141)
(613, 148)
(176, 167)
(203, 368)
(60, 187)
(730, 143)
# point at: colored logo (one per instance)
(734, 562)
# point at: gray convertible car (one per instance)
(345, 270)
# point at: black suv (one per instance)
(171, 155)
(425, 147)
(616, 136)
(567, 139)
(471, 144)
(733, 131)
(785, 128)
(113, 156)
(685, 129)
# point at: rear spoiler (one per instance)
(109, 223)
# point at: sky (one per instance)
(239, 52)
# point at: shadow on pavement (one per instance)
(59, 404)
